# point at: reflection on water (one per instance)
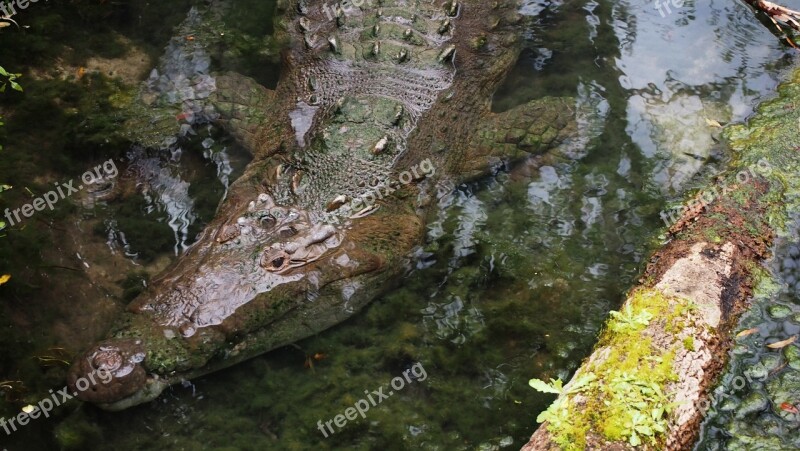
(677, 91)
(518, 271)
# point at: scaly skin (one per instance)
(290, 253)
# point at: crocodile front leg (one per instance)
(529, 129)
(247, 111)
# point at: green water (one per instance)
(752, 407)
(517, 274)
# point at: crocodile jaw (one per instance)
(152, 389)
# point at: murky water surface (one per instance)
(515, 279)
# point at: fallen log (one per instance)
(780, 16)
(648, 382)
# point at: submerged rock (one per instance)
(785, 389)
(792, 354)
(779, 311)
(755, 402)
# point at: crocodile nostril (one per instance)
(118, 362)
(107, 360)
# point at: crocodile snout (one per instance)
(109, 372)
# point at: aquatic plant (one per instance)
(7, 79)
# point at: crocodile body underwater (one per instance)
(376, 107)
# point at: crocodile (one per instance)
(381, 106)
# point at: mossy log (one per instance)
(648, 382)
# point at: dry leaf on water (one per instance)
(784, 343)
(747, 332)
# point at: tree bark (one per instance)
(780, 17)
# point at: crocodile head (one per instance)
(265, 277)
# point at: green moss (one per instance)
(765, 145)
(625, 399)
(688, 343)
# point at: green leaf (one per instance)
(15, 86)
(544, 416)
(3, 72)
(544, 387)
(658, 412)
(634, 440)
(5, 188)
(583, 382)
(2, 225)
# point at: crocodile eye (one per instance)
(278, 262)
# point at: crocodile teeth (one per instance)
(337, 202)
(445, 26)
(381, 145)
(376, 48)
(376, 30)
(447, 54)
(334, 44)
(408, 33)
(379, 13)
(340, 104)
